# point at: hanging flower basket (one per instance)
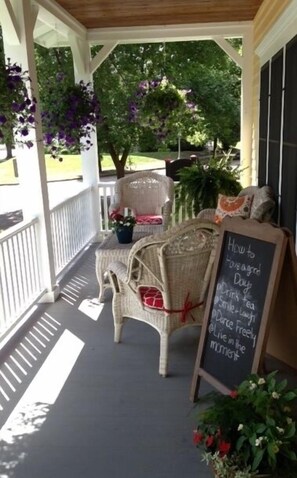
(73, 112)
(17, 105)
(161, 107)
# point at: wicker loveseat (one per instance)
(262, 206)
(165, 281)
(147, 194)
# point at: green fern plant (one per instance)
(199, 185)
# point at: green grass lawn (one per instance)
(70, 167)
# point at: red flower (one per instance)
(116, 216)
(197, 437)
(209, 441)
(224, 447)
(234, 394)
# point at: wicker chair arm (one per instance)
(119, 269)
(117, 272)
(264, 211)
(166, 213)
(207, 214)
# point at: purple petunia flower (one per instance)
(24, 131)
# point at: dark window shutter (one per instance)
(289, 166)
(263, 124)
(274, 143)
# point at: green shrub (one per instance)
(200, 184)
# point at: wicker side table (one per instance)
(111, 250)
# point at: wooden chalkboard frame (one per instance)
(267, 233)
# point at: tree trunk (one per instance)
(8, 150)
(99, 163)
(119, 163)
(215, 144)
(120, 168)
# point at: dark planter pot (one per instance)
(125, 235)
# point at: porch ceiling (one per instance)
(118, 13)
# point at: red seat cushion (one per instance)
(149, 219)
(151, 297)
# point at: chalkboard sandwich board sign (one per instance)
(240, 301)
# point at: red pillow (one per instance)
(151, 297)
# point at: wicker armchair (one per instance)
(147, 194)
(262, 208)
(165, 281)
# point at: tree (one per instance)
(214, 80)
(8, 140)
(201, 67)
(115, 83)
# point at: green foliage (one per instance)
(215, 82)
(250, 430)
(167, 111)
(147, 141)
(200, 184)
(73, 111)
(17, 105)
(187, 64)
(118, 222)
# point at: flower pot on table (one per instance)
(125, 235)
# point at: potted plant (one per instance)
(159, 106)
(251, 432)
(122, 226)
(70, 113)
(17, 105)
(199, 185)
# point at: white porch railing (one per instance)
(106, 197)
(20, 280)
(72, 229)
(20, 265)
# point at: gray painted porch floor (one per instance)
(73, 404)
(76, 405)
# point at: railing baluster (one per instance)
(20, 283)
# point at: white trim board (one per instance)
(284, 29)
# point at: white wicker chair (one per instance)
(146, 194)
(263, 204)
(177, 263)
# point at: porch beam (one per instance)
(52, 14)
(9, 23)
(168, 33)
(105, 51)
(80, 53)
(228, 48)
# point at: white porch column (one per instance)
(246, 109)
(90, 167)
(19, 47)
(245, 62)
